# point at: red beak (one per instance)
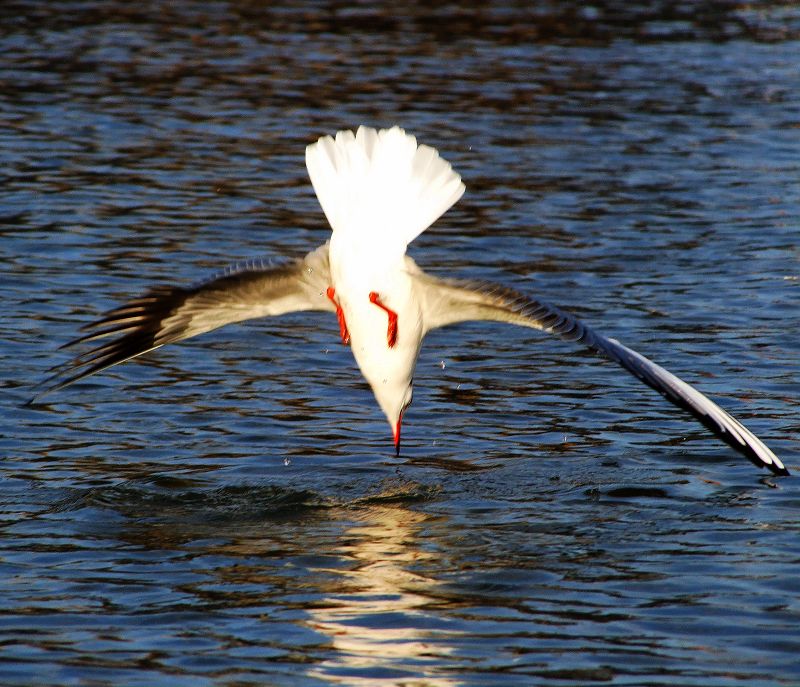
(397, 434)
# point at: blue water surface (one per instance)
(230, 511)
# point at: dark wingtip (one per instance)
(782, 471)
(35, 400)
(40, 389)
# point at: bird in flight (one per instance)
(379, 190)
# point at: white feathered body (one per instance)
(379, 191)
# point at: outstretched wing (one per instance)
(448, 302)
(166, 314)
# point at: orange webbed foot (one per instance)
(391, 332)
(343, 331)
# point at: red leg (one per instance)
(391, 332)
(331, 293)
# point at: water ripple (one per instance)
(231, 511)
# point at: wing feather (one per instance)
(449, 302)
(167, 314)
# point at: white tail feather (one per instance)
(379, 185)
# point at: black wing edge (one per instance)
(569, 328)
(139, 324)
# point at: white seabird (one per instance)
(379, 190)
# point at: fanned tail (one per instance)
(380, 186)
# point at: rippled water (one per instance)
(229, 510)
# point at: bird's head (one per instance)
(393, 396)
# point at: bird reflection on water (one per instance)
(378, 620)
(362, 589)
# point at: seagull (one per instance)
(379, 190)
